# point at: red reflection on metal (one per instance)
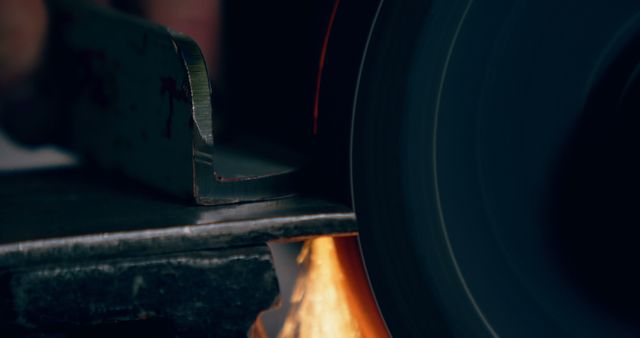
(323, 53)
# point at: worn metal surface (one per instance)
(215, 293)
(139, 101)
(74, 214)
(84, 253)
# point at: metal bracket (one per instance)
(138, 98)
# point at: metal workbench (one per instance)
(94, 253)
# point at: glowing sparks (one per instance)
(319, 304)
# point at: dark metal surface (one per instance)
(84, 253)
(74, 214)
(200, 294)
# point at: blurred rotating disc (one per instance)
(493, 167)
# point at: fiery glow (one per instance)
(329, 301)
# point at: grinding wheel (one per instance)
(493, 167)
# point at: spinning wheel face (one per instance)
(493, 170)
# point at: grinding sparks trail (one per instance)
(319, 304)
